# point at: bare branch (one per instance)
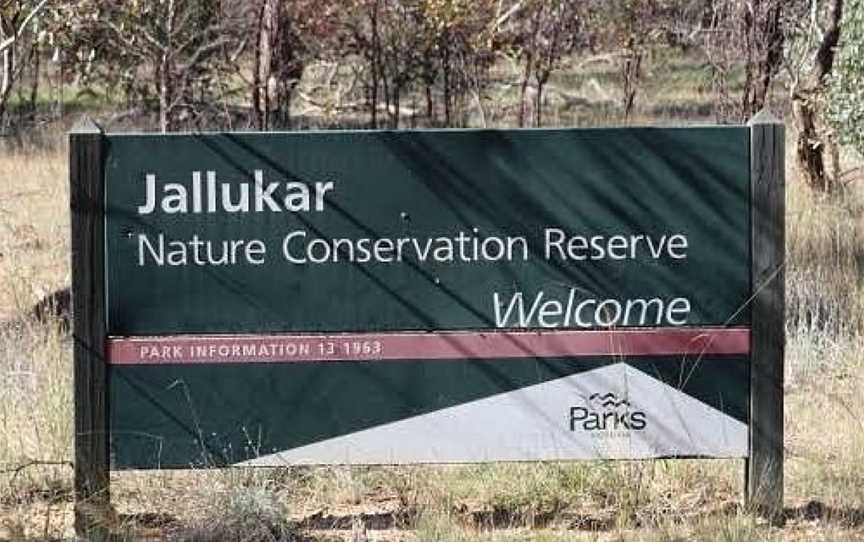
(130, 44)
(10, 41)
(510, 12)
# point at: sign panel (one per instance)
(435, 296)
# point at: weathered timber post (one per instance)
(764, 476)
(86, 176)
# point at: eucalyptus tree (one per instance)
(846, 92)
(19, 35)
(744, 36)
(814, 43)
(459, 37)
(171, 56)
(540, 33)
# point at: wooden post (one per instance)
(92, 499)
(764, 470)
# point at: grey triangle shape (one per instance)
(534, 423)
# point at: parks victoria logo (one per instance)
(606, 413)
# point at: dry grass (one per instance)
(825, 262)
(35, 358)
(34, 227)
(662, 500)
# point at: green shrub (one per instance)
(846, 90)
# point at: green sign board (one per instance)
(433, 296)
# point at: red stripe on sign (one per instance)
(279, 348)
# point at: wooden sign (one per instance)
(427, 297)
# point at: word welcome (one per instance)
(546, 312)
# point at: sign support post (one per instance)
(92, 498)
(764, 468)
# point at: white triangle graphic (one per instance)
(539, 423)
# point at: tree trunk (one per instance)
(810, 147)
(6, 82)
(166, 75)
(764, 40)
(376, 64)
(257, 114)
(35, 77)
(811, 141)
(286, 95)
(632, 74)
(772, 58)
(268, 37)
(60, 106)
(430, 106)
(538, 107)
(448, 95)
(385, 86)
(397, 98)
(523, 90)
(373, 99)
(164, 99)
